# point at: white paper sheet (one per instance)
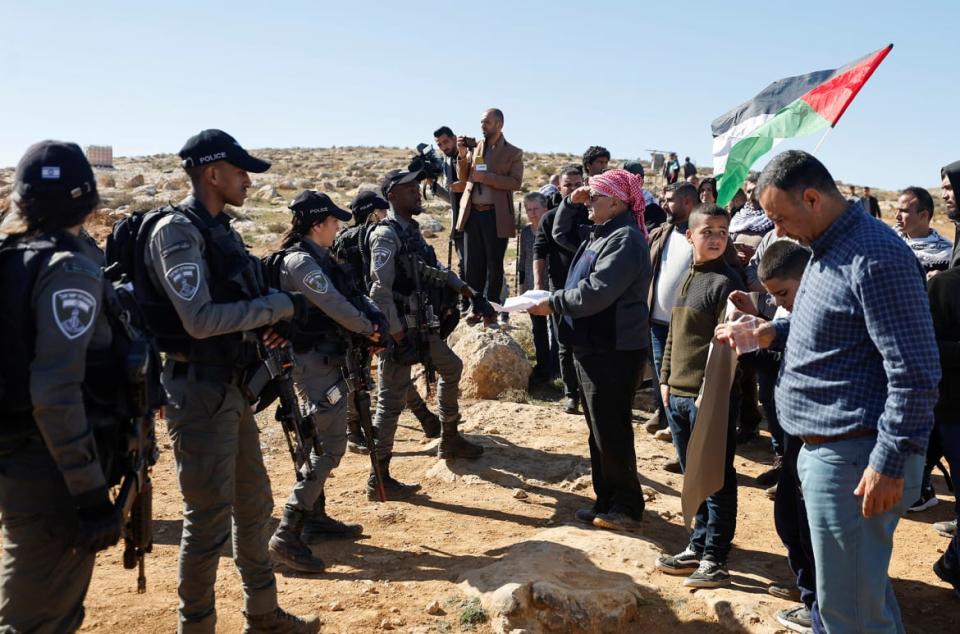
(521, 303)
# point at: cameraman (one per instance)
(492, 171)
(452, 188)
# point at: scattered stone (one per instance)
(520, 494)
(336, 606)
(136, 181)
(103, 181)
(493, 362)
(649, 494)
(433, 608)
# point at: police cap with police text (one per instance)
(55, 171)
(364, 203)
(398, 177)
(210, 146)
(318, 206)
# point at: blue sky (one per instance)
(627, 75)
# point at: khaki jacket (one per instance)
(504, 176)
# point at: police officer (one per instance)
(398, 255)
(54, 502)
(368, 208)
(209, 307)
(307, 266)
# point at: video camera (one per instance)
(427, 162)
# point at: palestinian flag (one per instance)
(787, 108)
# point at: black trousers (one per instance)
(790, 520)
(548, 361)
(607, 381)
(568, 371)
(483, 252)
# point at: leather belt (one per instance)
(212, 373)
(822, 440)
(484, 207)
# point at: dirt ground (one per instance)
(469, 514)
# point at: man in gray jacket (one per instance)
(603, 315)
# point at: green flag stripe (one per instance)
(796, 119)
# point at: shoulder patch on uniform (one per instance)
(316, 281)
(76, 265)
(73, 310)
(184, 280)
(173, 248)
(381, 255)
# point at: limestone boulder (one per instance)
(566, 580)
(493, 361)
(134, 181)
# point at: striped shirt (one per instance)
(860, 347)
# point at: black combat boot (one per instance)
(280, 622)
(356, 443)
(429, 421)
(453, 445)
(288, 549)
(393, 489)
(320, 526)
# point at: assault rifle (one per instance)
(137, 450)
(359, 383)
(275, 373)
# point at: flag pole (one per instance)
(822, 139)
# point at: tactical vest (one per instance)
(412, 258)
(235, 276)
(106, 388)
(320, 332)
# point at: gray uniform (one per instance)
(394, 378)
(317, 371)
(43, 579)
(215, 438)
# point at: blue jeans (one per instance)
(658, 340)
(950, 447)
(716, 519)
(766, 382)
(851, 552)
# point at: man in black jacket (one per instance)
(551, 261)
(950, 183)
(944, 292)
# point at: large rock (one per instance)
(429, 223)
(266, 193)
(566, 580)
(135, 181)
(492, 361)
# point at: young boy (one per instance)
(698, 308)
(780, 271)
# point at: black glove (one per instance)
(379, 320)
(301, 306)
(99, 526)
(482, 307)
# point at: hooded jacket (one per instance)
(952, 172)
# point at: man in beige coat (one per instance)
(493, 171)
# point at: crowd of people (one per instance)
(640, 286)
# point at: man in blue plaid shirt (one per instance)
(858, 384)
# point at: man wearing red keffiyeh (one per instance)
(623, 185)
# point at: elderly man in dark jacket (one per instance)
(602, 311)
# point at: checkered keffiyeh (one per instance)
(623, 185)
